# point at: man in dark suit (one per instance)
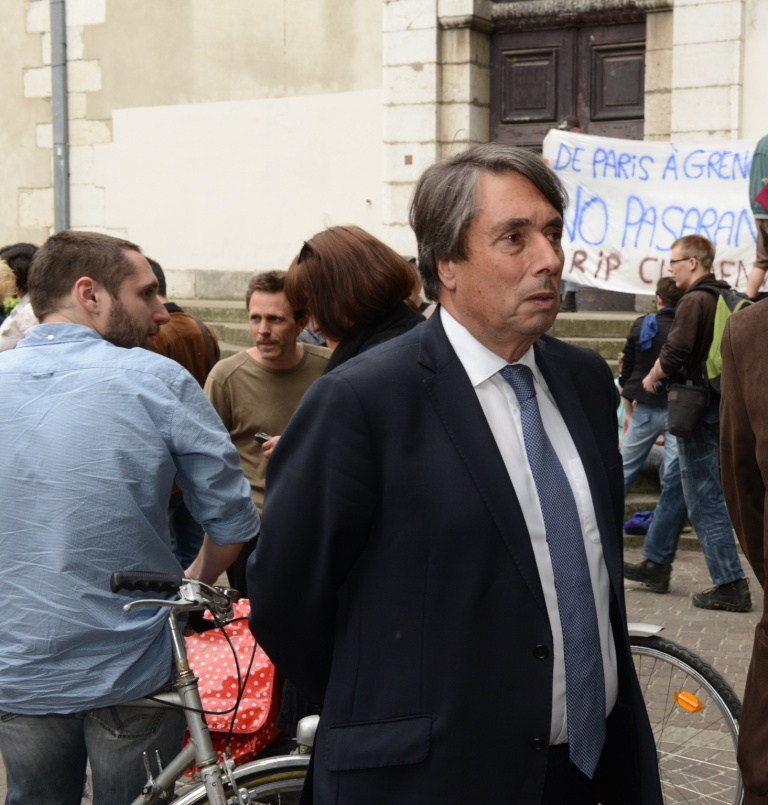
(449, 584)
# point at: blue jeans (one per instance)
(703, 495)
(647, 423)
(45, 756)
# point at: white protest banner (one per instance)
(629, 200)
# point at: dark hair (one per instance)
(444, 202)
(19, 258)
(346, 278)
(157, 270)
(699, 247)
(270, 282)
(69, 255)
(668, 292)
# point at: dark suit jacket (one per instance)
(395, 580)
(744, 468)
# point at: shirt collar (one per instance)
(57, 332)
(479, 362)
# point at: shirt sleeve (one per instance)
(208, 467)
(680, 346)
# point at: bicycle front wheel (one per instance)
(694, 715)
(277, 781)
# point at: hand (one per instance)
(628, 408)
(269, 446)
(648, 382)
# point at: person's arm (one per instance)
(743, 484)
(213, 560)
(317, 516)
(755, 282)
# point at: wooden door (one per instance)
(594, 72)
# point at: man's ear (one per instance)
(302, 322)
(446, 272)
(87, 294)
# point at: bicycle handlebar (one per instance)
(145, 581)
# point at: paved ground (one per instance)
(723, 639)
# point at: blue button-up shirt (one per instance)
(91, 438)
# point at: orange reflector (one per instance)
(688, 701)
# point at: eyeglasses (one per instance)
(306, 251)
(681, 260)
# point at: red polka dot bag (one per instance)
(211, 660)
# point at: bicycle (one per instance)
(694, 715)
(275, 780)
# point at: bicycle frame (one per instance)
(199, 748)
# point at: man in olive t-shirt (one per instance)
(257, 390)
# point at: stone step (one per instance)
(232, 333)
(593, 324)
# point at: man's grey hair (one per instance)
(444, 202)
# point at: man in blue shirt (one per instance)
(94, 431)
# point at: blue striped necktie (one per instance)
(584, 679)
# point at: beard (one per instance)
(122, 330)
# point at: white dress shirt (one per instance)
(502, 411)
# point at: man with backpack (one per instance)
(683, 358)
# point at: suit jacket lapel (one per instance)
(457, 406)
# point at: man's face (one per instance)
(135, 317)
(274, 330)
(680, 267)
(506, 293)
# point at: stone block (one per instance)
(658, 115)
(77, 105)
(410, 83)
(415, 123)
(659, 29)
(38, 19)
(460, 45)
(399, 236)
(711, 65)
(37, 82)
(89, 132)
(220, 284)
(695, 112)
(36, 207)
(84, 76)
(86, 12)
(409, 15)
(397, 200)
(464, 123)
(75, 46)
(658, 70)
(88, 205)
(82, 165)
(708, 22)
(407, 47)
(466, 83)
(44, 135)
(460, 8)
(45, 48)
(405, 162)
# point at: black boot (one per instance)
(655, 577)
(568, 302)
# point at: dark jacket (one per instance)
(744, 467)
(403, 588)
(636, 363)
(392, 324)
(691, 334)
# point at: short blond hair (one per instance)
(7, 281)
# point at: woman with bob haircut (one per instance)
(354, 287)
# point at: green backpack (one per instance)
(729, 301)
